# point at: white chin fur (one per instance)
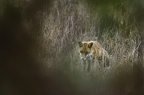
(88, 57)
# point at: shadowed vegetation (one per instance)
(39, 46)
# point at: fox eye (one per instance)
(87, 52)
(81, 51)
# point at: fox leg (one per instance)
(84, 65)
(106, 61)
(89, 65)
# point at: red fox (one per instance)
(91, 50)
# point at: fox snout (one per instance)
(87, 57)
(83, 59)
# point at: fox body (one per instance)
(92, 50)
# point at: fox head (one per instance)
(85, 50)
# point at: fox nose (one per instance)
(84, 59)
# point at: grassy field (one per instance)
(71, 21)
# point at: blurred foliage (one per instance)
(38, 46)
(118, 14)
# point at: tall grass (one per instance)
(70, 21)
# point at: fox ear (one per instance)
(90, 45)
(80, 44)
